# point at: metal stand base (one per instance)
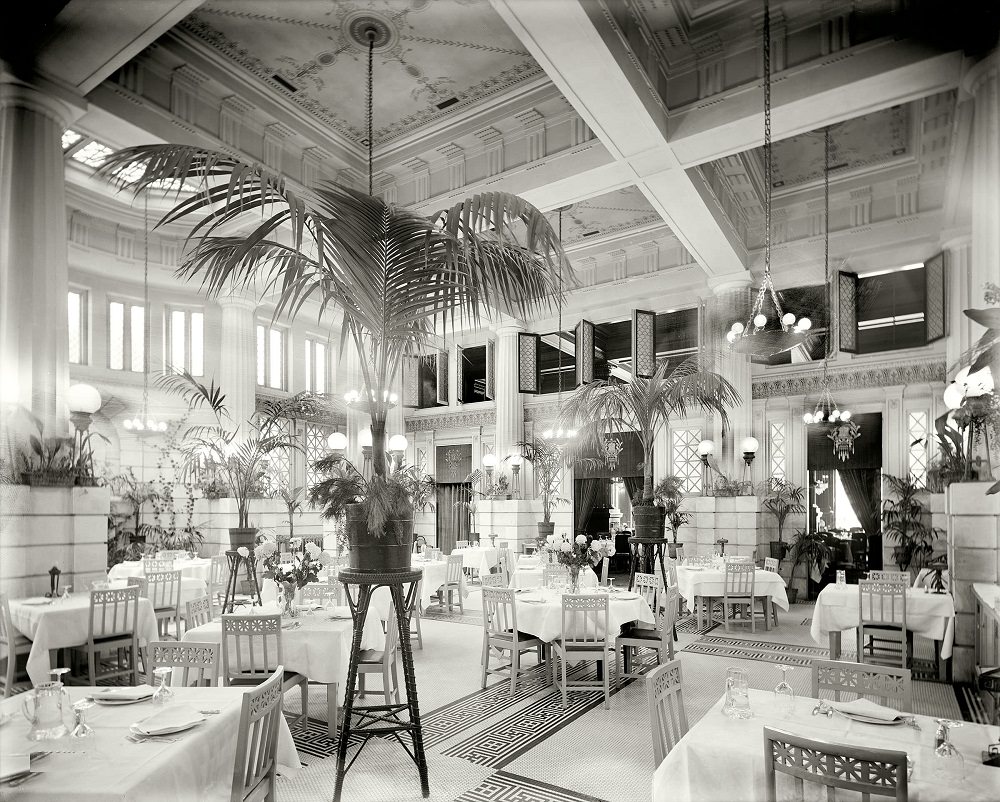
(236, 561)
(372, 720)
(652, 550)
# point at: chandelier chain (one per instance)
(371, 90)
(767, 138)
(559, 312)
(145, 305)
(826, 240)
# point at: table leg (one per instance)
(331, 710)
(835, 645)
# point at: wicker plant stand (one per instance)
(236, 562)
(373, 720)
(644, 558)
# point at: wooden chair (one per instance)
(197, 612)
(12, 645)
(382, 661)
(504, 564)
(494, 581)
(605, 567)
(771, 566)
(739, 558)
(882, 635)
(414, 616)
(854, 768)
(452, 583)
(648, 586)
(199, 661)
(671, 566)
(738, 590)
(113, 616)
(163, 589)
(254, 770)
(891, 686)
(251, 650)
(461, 544)
(156, 565)
(316, 592)
(553, 572)
(660, 638)
(584, 637)
(665, 694)
(500, 634)
(890, 576)
(218, 574)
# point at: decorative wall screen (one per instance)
(934, 299)
(278, 471)
(491, 361)
(584, 352)
(442, 377)
(528, 376)
(411, 381)
(776, 450)
(847, 324)
(643, 343)
(315, 445)
(684, 461)
(916, 436)
(459, 375)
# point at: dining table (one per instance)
(198, 568)
(527, 575)
(696, 582)
(480, 559)
(931, 615)
(316, 644)
(61, 623)
(723, 759)
(196, 763)
(539, 611)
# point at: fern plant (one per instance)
(904, 519)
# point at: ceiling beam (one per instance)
(582, 53)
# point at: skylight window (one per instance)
(92, 154)
(131, 172)
(70, 138)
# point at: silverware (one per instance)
(21, 779)
(209, 712)
(139, 738)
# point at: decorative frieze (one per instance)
(275, 135)
(852, 378)
(492, 140)
(184, 83)
(541, 412)
(231, 113)
(312, 160)
(452, 420)
(534, 133)
(455, 156)
(421, 179)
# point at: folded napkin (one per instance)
(170, 719)
(122, 693)
(342, 612)
(12, 765)
(865, 707)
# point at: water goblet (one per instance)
(611, 584)
(67, 592)
(162, 695)
(784, 695)
(949, 765)
(82, 728)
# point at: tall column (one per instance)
(982, 82)
(729, 305)
(509, 402)
(349, 378)
(960, 295)
(34, 366)
(238, 365)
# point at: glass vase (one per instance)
(574, 579)
(288, 589)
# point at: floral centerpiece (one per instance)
(578, 553)
(291, 577)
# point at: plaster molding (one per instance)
(852, 378)
(452, 420)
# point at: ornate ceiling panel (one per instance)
(445, 53)
(613, 213)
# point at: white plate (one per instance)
(693, 567)
(136, 728)
(117, 702)
(870, 720)
(626, 596)
(35, 602)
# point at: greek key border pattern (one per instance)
(452, 420)
(851, 379)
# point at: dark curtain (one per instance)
(864, 492)
(633, 485)
(588, 493)
(452, 520)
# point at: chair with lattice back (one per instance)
(738, 591)
(889, 685)
(861, 769)
(553, 573)
(890, 576)
(218, 573)
(500, 634)
(584, 635)
(493, 581)
(771, 566)
(12, 645)
(882, 635)
(163, 589)
(156, 565)
(197, 612)
(453, 579)
(658, 640)
(112, 626)
(194, 664)
(254, 771)
(668, 719)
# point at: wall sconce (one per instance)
(337, 443)
(705, 449)
(515, 470)
(749, 448)
(397, 448)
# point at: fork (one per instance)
(137, 738)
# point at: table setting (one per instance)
(481, 559)
(539, 610)
(709, 581)
(190, 568)
(118, 743)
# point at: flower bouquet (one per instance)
(578, 553)
(290, 577)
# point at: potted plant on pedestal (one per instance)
(781, 499)
(669, 496)
(808, 549)
(645, 406)
(904, 521)
(546, 459)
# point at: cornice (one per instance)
(452, 420)
(852, 378)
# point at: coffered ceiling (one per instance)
(618, 212)
(441, 56)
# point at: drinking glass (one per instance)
(949, 765)
(329, 601)
(162, 694)
(82, 728)
(737, 695)
(67, 592)
(784, 696)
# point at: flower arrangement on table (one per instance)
(578, 553)
(290, 577)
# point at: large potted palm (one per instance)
(645, 406)
(782, 498)
(393, 275)
(546, 459)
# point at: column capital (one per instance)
(955, 238)
(729, 282)
(509, 328)
(238, 299)
(981, 71)
(43, 96)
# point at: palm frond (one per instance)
(180, 382)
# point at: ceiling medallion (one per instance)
(359, 23)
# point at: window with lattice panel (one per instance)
(315, 444)
(684, 461)
(776, 450)
(916, 437)
(278, 469)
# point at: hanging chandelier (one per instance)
(760, 334)
(559, 436)
(826, 409)
(145, 424)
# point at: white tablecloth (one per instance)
(198, 568)
(711, 582)
(191, 588)
(480, 558)
(319, 648)
(197, 766)
(531, 577)
(721, 759)
(544, 620)
(65, 623)
(929, 614)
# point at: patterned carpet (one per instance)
(763, 651)
(504, 787)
